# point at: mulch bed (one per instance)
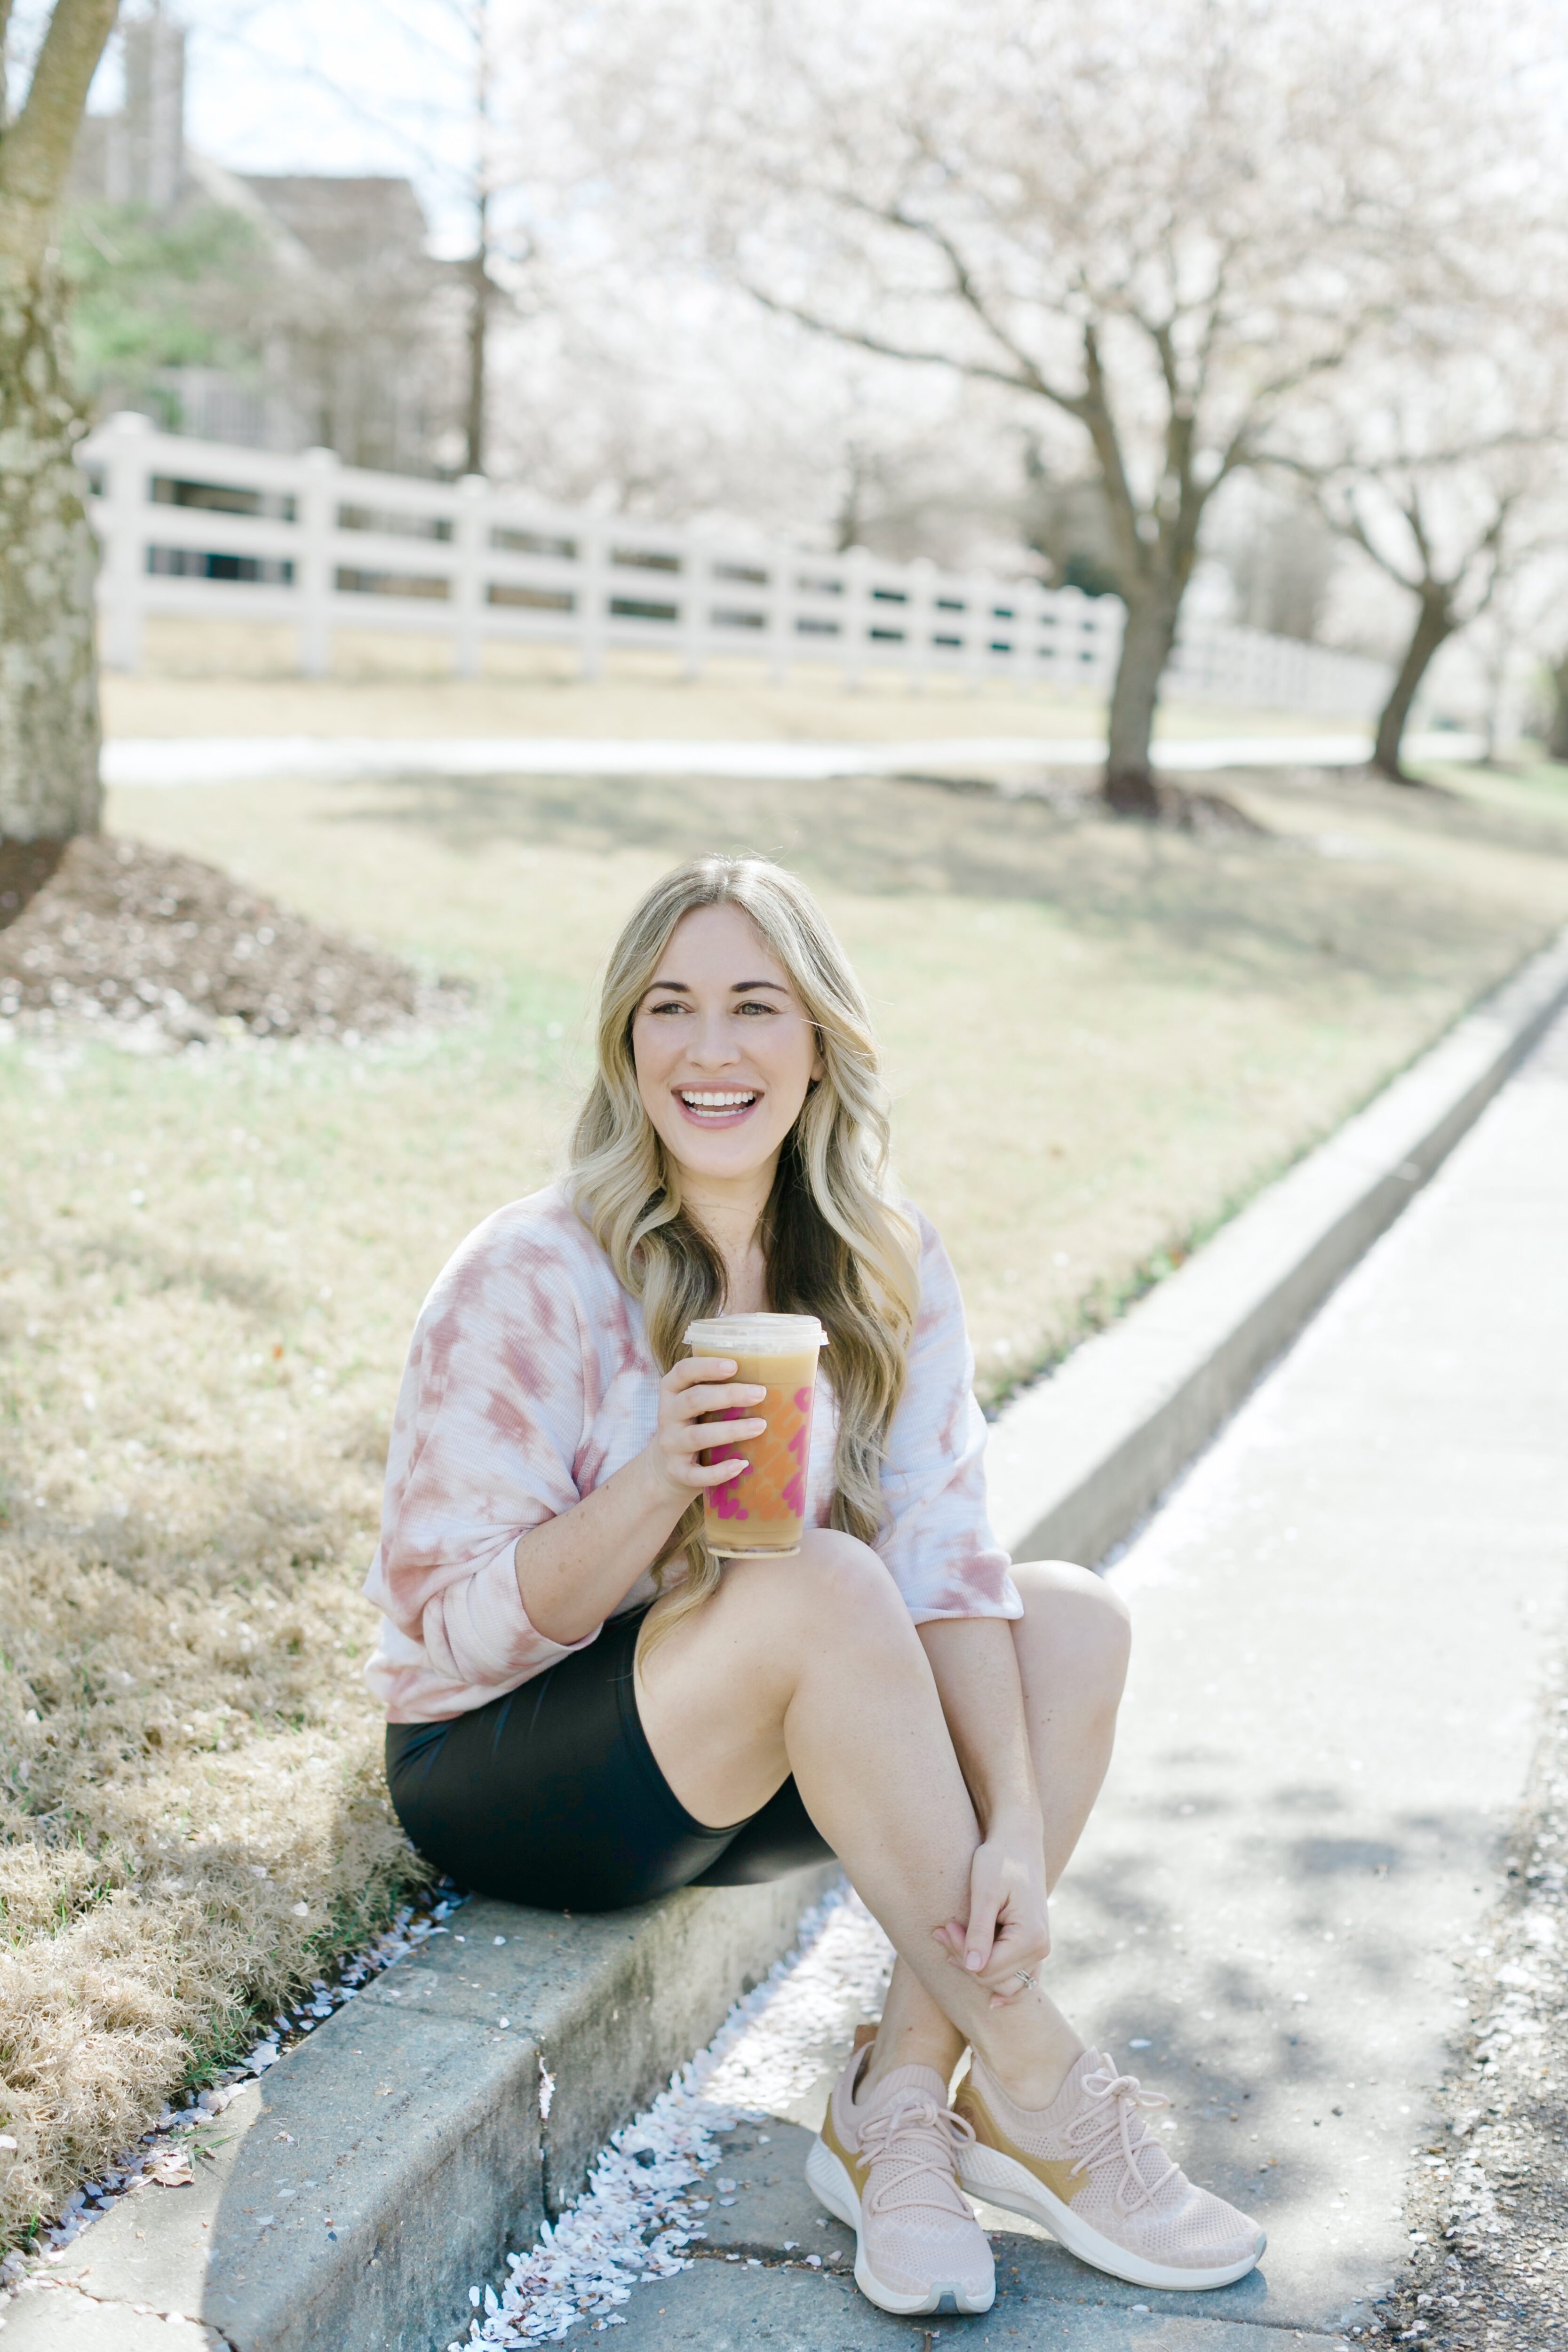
(157, 950)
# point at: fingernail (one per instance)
(973, 1960)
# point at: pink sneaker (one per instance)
(1086, 2167)
(885, 2168)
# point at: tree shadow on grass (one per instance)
(161, 1267)
(1253, 910)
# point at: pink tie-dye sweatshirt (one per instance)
(529, 1383)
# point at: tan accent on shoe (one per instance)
(856, 2165)
(1059, 2173)
(866, 2034)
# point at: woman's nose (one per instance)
(714, 1045)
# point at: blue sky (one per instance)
(331, 86)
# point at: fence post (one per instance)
(857, 610)
(1100, 633)
(316, 579)
(473, 516)
(977, 599)
(916, 625)
(781, 608)
(694, 587)
(123, 507)
(591, 577)
(1033, 601)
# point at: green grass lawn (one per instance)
(1100, 1040)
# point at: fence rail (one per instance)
(203, 529)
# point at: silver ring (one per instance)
(1027, 1978)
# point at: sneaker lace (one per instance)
(1111, 2131)
(914, 2145)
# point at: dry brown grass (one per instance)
(1099, 1037)
(192, 1815)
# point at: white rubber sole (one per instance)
(985, 2172)
(831, 2186)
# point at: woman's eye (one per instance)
(674, 1005)
(753, 1007)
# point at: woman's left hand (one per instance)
(1008, 1933)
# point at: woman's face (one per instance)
(724, 1050)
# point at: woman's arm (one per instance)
(975, 1668)
(575, 1568)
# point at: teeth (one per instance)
(696, 1101)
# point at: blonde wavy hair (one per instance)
(837, 1246)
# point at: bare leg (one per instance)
(813, 1665)
(1072, 1642)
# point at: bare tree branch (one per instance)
(1209, 280)
(1410, 509)
(36, 152)
(1490, 543)
(1348, 522)
(968, 292)
(863, 340)
(5, 32)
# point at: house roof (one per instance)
(342, 222)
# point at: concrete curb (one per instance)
(1076, 1462)
(348, 2197)
(397, 2154)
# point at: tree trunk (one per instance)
(1557, 733)
(476, 402)
(1434, 623)
(48, 556)
(476, 439)
(1146, 645)
(49, 559)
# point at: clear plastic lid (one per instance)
(755, 1335)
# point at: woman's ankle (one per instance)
(1032, 2068)
(939, 2052)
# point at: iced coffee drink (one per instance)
(763, 1510)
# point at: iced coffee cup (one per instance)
(762, 1511)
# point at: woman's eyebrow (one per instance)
(736, 988)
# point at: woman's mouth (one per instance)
(715, 1106)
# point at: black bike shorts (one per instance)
(550, 1795)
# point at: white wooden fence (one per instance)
(203, 530)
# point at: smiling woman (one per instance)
(893, 1692)
(728, 970)
(720, 1054)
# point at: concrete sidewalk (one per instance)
(1341, 1617)
(246, 759)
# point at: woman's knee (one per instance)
(849, 1577)
(835, 1586)
(1081, 1627)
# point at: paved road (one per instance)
(1342, 1618)
(245, 759)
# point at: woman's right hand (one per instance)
(688, 1394)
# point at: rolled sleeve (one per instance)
(937, 1542)
(489, 1425)
(476, 1630)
